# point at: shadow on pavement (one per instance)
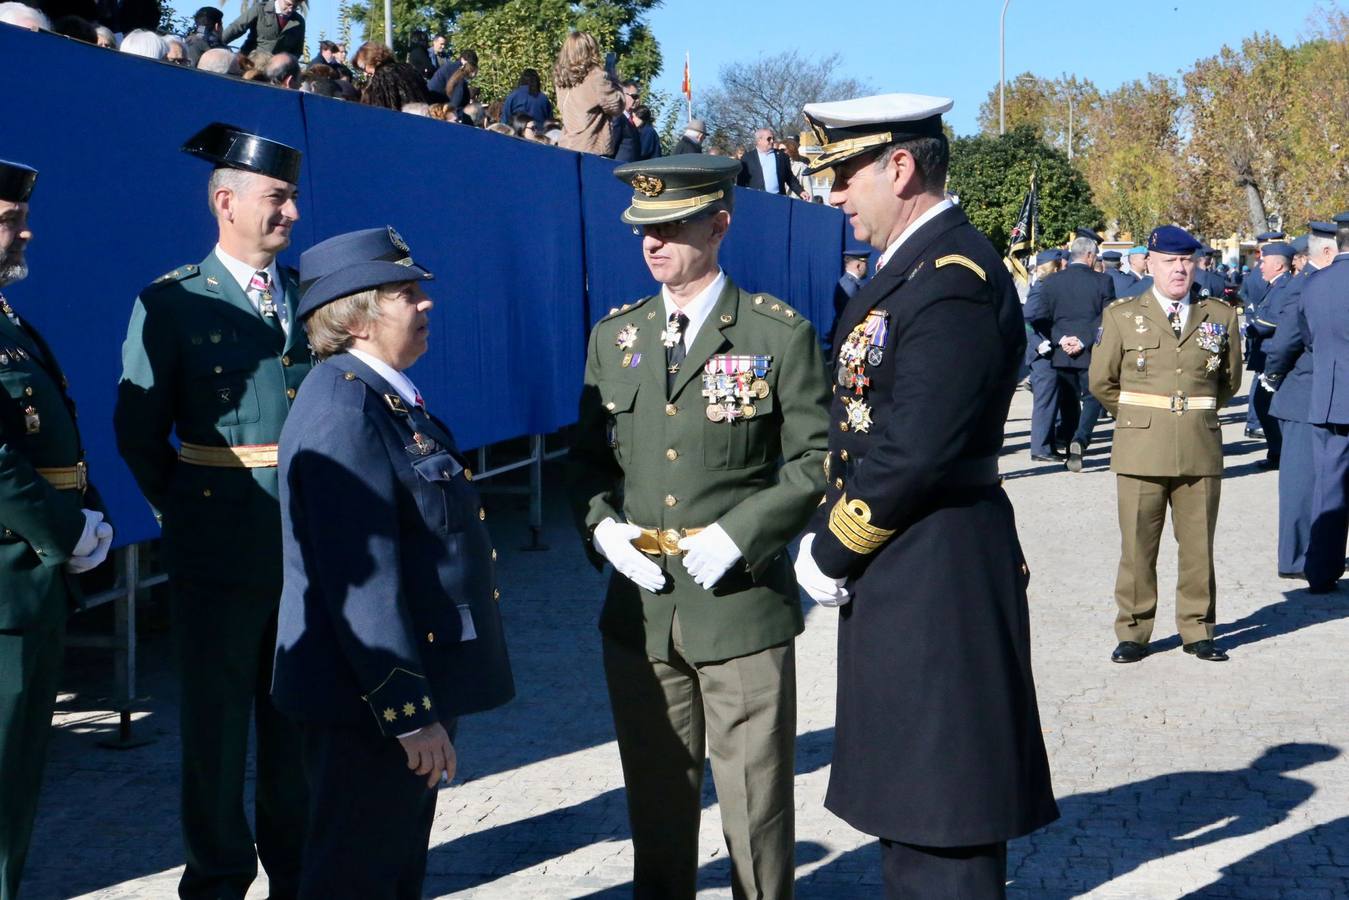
(1299, 609)
(1317, 858)
(1105, 835)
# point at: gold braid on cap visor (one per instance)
(685, 203)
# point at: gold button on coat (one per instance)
(496, 594)
(843, 455)
(670, 500)
(206, 492)
(290, 392)
(430, 637)
(672, 454)
(482, 513)
(670, 409)
(285, 360)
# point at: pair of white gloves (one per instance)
(92, 547)
(708, 555)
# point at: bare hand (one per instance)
(430, 752)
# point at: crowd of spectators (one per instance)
(596, 112)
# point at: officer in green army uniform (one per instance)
(698, 456)
(1165, 362)
(215, 354)
(51, 529)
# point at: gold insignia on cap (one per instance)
(397, 240)
(649, 185)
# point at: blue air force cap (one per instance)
(1341, 219)
(1324, 229)
(1277, 248)
(1269, 236)
(1111, 256)
(16, 181)
(853, 247)
(1087, 233)
(1300, 244)
(353, 262)
(1050, 255)
(1172, 239)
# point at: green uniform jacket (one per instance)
(201, 363)
(39, 525)
(1137, 351)
(659, 462)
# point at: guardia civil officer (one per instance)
(389, 627)
(698, 456)
(1288, 372)
(52, 529)
(1262, 319)
(937, 747)
(1324, 324)
(1068, 308)
(212, 355)
(1166, 362)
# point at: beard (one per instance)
(12, 270)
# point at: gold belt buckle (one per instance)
(669, 542)
(1178, 402)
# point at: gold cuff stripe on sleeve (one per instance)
(850, 522)
(955, 259)
(686, 203)
(67, 478)
(249, 456)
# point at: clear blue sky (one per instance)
(946, 48)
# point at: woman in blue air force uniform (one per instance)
(389, 628)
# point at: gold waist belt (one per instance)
(654, 542)
(67, 478)
(248, 456)
(1176, 403)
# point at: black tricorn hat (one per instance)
(16, 181)
(231, 147)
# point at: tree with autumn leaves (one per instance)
(1250, 136)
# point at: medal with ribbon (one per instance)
(731, 384)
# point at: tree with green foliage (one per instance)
(991, 174)
(511, 35)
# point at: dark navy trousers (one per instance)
(1047, 431)
(1082, 410)
(1330, 513)
(1273, 436)
(1296, 481)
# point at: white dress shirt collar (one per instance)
(917, 223)
(243, 273)
(1166, 302)
(397, 380)
(697, 309)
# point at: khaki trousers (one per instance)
(744, 711)
(1194, 516)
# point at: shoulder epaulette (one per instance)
(620, 310)
(955, 259)
(773, 308)
(178, 274)
(1117, 301)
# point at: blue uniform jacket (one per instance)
(1141, 286)
(1287, 363)
(1034, 336)
(1253, 287)
(1211, 281)
(1070, 303)
(1325, 328)
(1262, 319)
(389, 611)
(1124, 281)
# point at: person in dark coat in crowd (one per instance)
(648, 138)
(419, 54)
(389, 626)
(695, 132)
(274, 26)
(938, 748)
(528, 99)
(450, 82)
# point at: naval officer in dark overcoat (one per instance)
(389, 627)
(938, 747)
(52, 529)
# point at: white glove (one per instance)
(88, 538)
(708, 555)
(78, 565)
(614, 540)
(1265, 383)
(1042, 349)
(822, 589)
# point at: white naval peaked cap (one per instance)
(846, 128)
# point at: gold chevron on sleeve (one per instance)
(955, 259)
(850, 522)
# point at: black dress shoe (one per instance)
(1255, 432)
(1074, 461)
(1207, 651)
(1040, 457)
(1268, 464)
(1129, 652)
(1059, 454)
(1300, 576)
(1323, 588)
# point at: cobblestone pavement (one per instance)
(1176, 778)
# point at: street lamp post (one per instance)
(1002, 69)
(388, 23)
(1070, 128)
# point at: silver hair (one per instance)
(226, 178)
(220, 61)
(106, 33)
(1080, 247)
(417, 109)
(1318, 244)
(144, 43)
(24, 16)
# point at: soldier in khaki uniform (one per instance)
(698, 456)
(1165, 362)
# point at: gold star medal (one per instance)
(626, 338)
(859, 414)
(1212, 364)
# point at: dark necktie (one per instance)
(675, 353)
(1173, 316)
(273, 313)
